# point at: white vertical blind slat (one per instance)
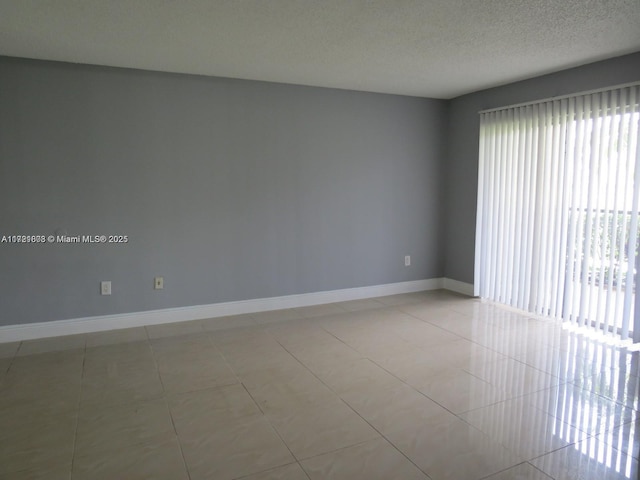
(581, 213)
(612, 207)
(518, 253)
(624, 160)
(510, 207)
(603, 192)
(495, 202)
(528, 213)
(564, 168)
(538, 170)
(546, 194)
(587, 270)
(572, 221)
(634, 157)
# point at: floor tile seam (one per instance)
(521, 395)
(573, 382)
(210, 332)
(109, 449)
(509, 357)
(430, 323)
(453, 309)
(325, 384)
(605, 428)
(27, 468)
(162, 384)
(604, 434)
(488, 382)
(624, 424)
(168, 391)
(634, 455)
(84, 359)
(157, 372)
(565, 422)
(274, 429)
(484, 406)
(362, 442)
(175, 432)
(412, 387)
(541, 471)
(561, 383)
(254, 401)
(566, 380)
(548, 373)
(335, 304)
(568, 424)
(276, 339)
(614, 384)
(486, 435)
(358, 414)
(525, 462)
(388, 440)
(333, 450)
(436, 326)
(77, 417)
(226, 361)
(628, 455)
(201, 361)
(309, 370)
(272, 468)
(531, 460)
(524, 459)
(343, 341)
(574, 444)
(472, 340)
(12, 358)
(382, 437)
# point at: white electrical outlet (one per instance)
(158, 283)
(105, 288)
(407, 260)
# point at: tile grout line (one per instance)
(275, 431)
(75, 433)
(175, 431)
(166, 402)
(273, 468)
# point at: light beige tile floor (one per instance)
(430, 385)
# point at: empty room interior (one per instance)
(319, 240)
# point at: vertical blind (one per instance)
(558, 200)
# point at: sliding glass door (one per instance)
(558, 205)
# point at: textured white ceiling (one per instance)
(432, 48)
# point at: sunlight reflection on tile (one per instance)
(625, 438)
(402, 387)
(590, 459)
(452, 449)
(525, 430)
(524, 471)
(582, 408)
(373, 460)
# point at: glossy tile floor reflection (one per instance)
(429, 385)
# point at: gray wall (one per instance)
(461, 175)
(230, 189)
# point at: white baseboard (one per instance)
(30, 331)
(457, 286)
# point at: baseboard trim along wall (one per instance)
(30, 331)
(457, 286)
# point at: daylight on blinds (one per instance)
(558, 199)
